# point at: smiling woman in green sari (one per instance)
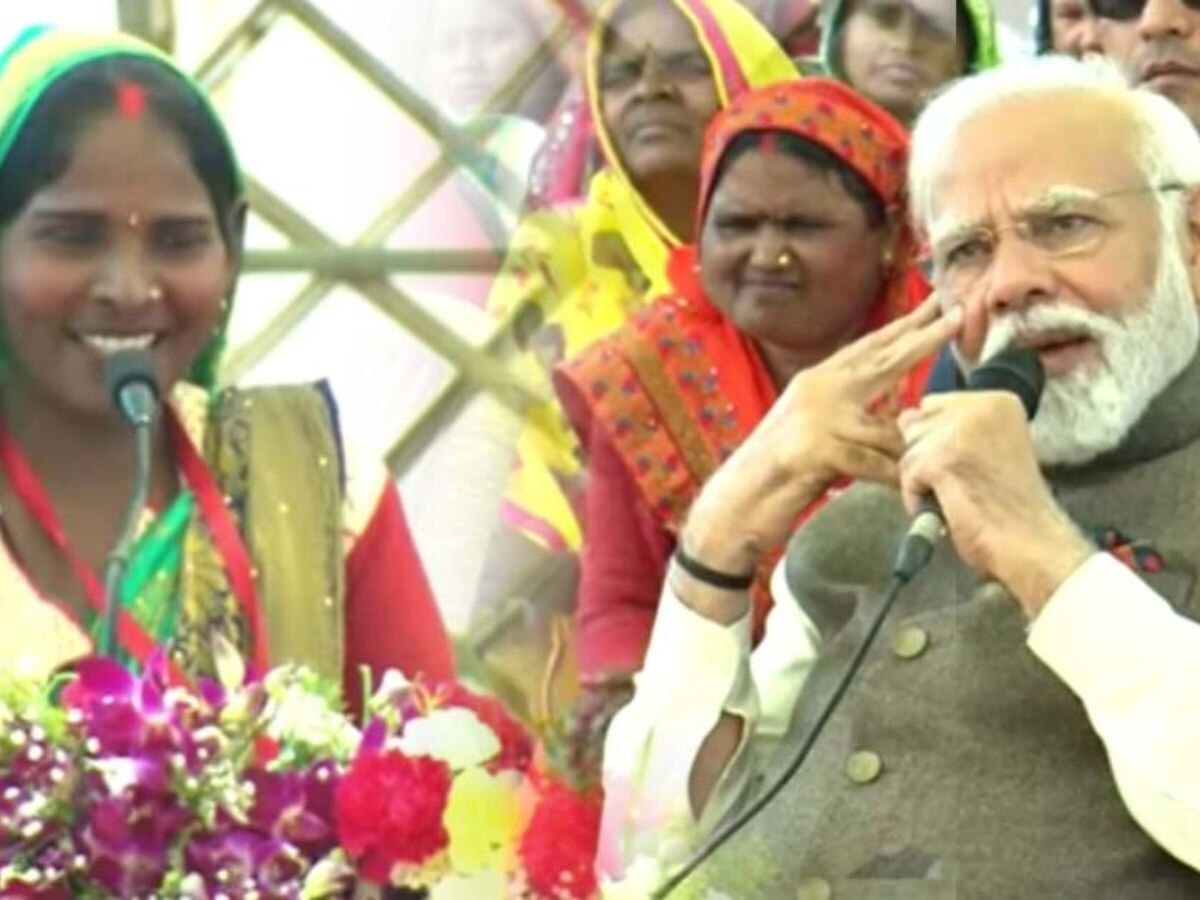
(121, 220)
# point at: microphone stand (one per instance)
(118, 561)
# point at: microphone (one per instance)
(1018, 371)
(129, 379)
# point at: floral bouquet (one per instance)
(113, 784)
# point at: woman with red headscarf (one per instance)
(803, 246)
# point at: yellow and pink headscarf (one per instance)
(742, 55)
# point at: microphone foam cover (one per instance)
(1018, 371)
(125, 367)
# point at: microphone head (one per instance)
(126, 367)
(1018, 371)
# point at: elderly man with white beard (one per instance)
(1028, 725)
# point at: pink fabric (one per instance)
(731, 71)
(522, 520)
(561, 169)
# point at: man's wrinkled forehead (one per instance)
(1001, 153)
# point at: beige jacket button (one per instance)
(864, 766)
(910, 642)
(814, 889)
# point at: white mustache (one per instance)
(1042, 318)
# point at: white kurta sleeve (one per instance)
(696, 669)
(1135, 664)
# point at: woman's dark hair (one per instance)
(824, 161)
(44, 147)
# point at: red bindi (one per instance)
(769, 145)
(131, 99)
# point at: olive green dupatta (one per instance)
(275, 458)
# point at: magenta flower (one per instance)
(238, 861)
(284, 809)
(123, 714)
(37, 779)
(128, 837)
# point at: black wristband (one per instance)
(711, 577)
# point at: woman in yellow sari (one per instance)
(655, 73)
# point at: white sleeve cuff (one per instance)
(685, 645)
(1103, 621)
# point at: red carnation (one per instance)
(389, 809)
(559, 846)
(516, 747)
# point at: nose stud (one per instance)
(783, 260)
(155, 294)
(134, 220)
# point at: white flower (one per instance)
(231, 668)
(392, 685)
(119, 773)
(328, 878)
(191, 887)
(454, 735)
(296, 712)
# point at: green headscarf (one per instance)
(38, 58)
(981, 22)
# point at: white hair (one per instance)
(1169, 150)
